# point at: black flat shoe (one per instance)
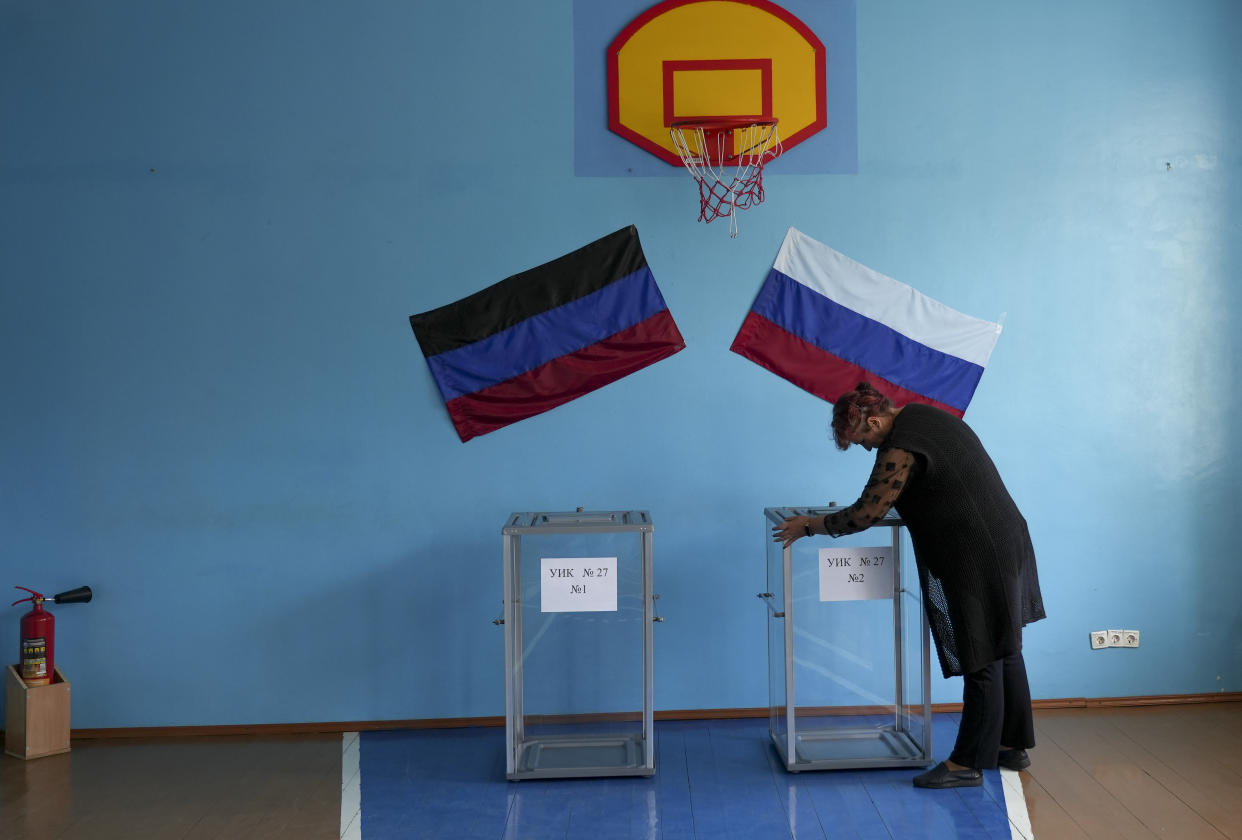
(941, 776)
(1013, 759)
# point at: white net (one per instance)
(728, 180)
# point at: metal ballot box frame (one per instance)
(849, 661)
(578, 618)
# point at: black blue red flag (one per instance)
(546, 336)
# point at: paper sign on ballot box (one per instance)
(578, 584)
(856, 574)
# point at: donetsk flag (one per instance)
(546, 336)
(826, 323)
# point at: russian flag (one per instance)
(826, 323)
(546, 336)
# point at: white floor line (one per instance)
(351, 788)
(1015, 806)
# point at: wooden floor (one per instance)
(1137, 773)
(274, 788)
(1100, 773)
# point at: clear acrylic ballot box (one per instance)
(578, 616)
(848, 649)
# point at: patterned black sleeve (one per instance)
(888, 479)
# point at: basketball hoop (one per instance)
(726, 158)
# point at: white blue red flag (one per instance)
(826, 323)
(546, 336)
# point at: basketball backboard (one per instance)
(715, 59)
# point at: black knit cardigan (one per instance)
(974, 554)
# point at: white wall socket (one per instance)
(1114, 638)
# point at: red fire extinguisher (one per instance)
(38, 636)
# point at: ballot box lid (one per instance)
(580, 521)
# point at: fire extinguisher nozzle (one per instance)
(81, 595)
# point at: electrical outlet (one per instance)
(1099, 639)
(1129, 638)
(1114, 638)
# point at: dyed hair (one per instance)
(853, 408)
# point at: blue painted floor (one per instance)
(714, 780)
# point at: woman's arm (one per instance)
(888, 478)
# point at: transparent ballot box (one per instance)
(578, 614)
(848, 649)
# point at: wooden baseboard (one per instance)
(312, 728)
(336, 727)
(953, 708)
(1157, 700)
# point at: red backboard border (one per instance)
(763, 65)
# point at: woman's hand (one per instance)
(791, 529)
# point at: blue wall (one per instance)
(215, 219)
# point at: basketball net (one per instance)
(728, 181)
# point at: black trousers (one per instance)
(996, 710)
